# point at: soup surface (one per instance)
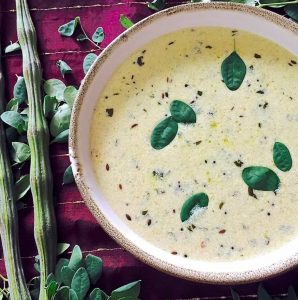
(234, 130)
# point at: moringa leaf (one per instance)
(130, 290)
(125, 21)
(21, 152)
(68, 176)
(62, 262)
(12, 47)
(80, 283)
(63, 67)
(49, 105)
(76, 259)
(72, 295)
(260, 178)
(62, 293)
(197, 200)
(13, 105)
(22, 186)
(182, 112)
(98, 36)
(292, 11)
(51, 289)
(68, 29)
(54, 88)
(96, 294)
(20, 90)
(157, 5)
(233, 71)
(282, 157)
(62, 247)
(61, 138)
(93, 267)
(60, 121)
(70, 94)
(88, 61)
(66, 275)
(163, 133)
(15, 120)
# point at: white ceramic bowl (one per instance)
(236, 16)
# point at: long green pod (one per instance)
(41, 179)
(9, 217)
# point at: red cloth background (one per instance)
(76, 225)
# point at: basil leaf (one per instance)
(62, 247)
(81, 37)
(54, 88)
(98, 36)
(80, 283)
(182, 113)
(60, 121)
(12, 47)
(282, 157)
(129, 290)
(15, 120)
(62, 262)
(88, 61)
(68, 176)
(68, 29)
(76, 259)
(21, 152)
(49, 105)
(63, 67)
(125, 22)
(62, 293)
(292, 11)
(233, 71)
(13, 105)
(72, 295)
(157, 5)
(61, 138)
(197, 200)
(263, 294)
(260, 178)
(22, 186)
(291, 294)
(93, 267)
(20, 90)
(70, 94)
(66, 275)
(51, 289)
(163, 133)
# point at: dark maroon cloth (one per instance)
(76, 225)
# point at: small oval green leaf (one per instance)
(21, 152)
(62, 293)
(76, 259)
(131, 290)
(70, 94)
(49, 105)
(80, 283)
(197, 200)
(98, 36)
(62, 247)
(12, 47)
(66, 275)
(125, 22)
(88, 61)
(20, 90)
(63, 67)
(13, 105)
(233, 71)
(182, 112)
(163, 133)
(260, 178)
(68, 29)
(15, 120)
(61, 137)
(68, 176)
(51, 289)
(61, 119)
(62, 262)
(282, 157)
(93, 267)
(54, 88)
(22, 186)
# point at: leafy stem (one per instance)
(90, 40)
(275, 3)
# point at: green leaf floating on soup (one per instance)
(163, 133)
(182, 113)
(198, 200)
(260, 178)
(282, 157)
(233, 71)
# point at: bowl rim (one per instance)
(151, 260)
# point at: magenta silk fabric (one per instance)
(76, 225)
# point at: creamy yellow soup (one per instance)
(233, 130)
